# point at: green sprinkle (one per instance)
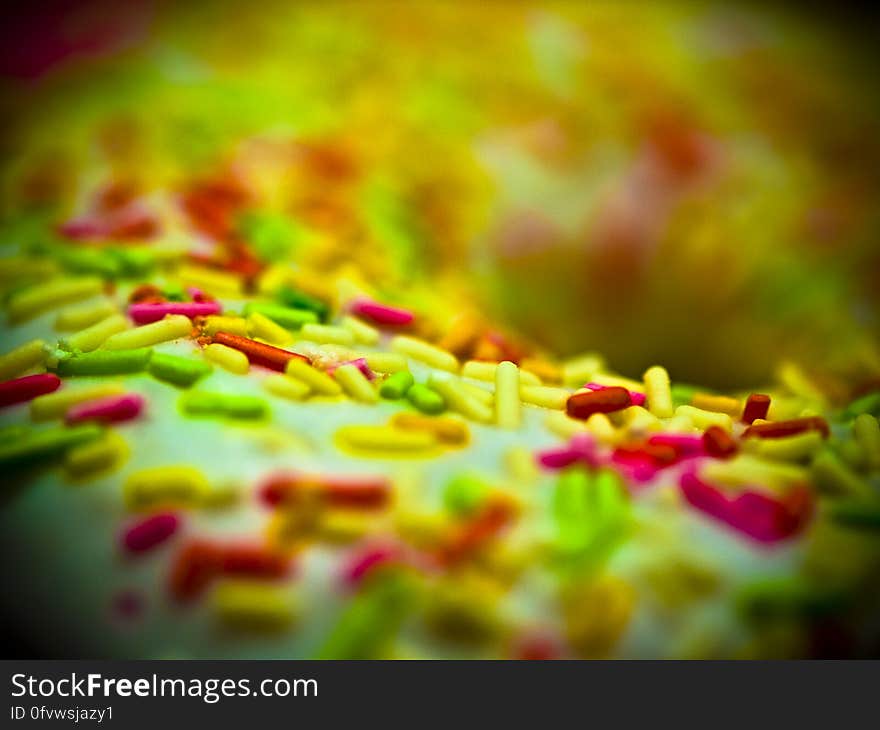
(866, 404)
(833, 477)
(788, 598)
(287, 317)
(43, 444)
(180, 371)
(102, 362)
(426, 399)
(683, 394)
(396, 386)
(300, 300)
(222, 404)
(856, 513)
(464, 493)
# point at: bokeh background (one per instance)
(692, 184)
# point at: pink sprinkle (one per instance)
(196, 294)
(382, 314)
(81, 228)
(27, 388)
(581, 448)
(150, 532)
(146, 312)
(360, 363)
(367, 558)
(638, 399)
(112, 409)
(635, 467)
(685, 444)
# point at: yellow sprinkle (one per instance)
(263, 327)
(386, 362)
(326, 333)
(542, 369)
(639, 420)
(234, 325)
(581, 369)
(460, 399)
(483, 394)
(657, 392)
(355, 383)
(446, 429)
(18, 268)
(747, 469)
(563, 426)
(344, 526)
(609, 381)
(91, 338)
(23, 358)
(169, 328)
(545, 396)
(165, 486)
(37, 299)
(378, 439)
(788, 448)
(480, 370)
(718, 403)
(363, 333)
(101, 455)
(867, 433)
(508, 410)
(218, 283)
(249, 605)
(286, 387)
(680, 423)
(55, 405)
(80, 316)
(703, 419)
(227, 358)
(319, 382)
(425, 352)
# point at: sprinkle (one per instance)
(718, 403)
(102, 454)
(27, 388)
(286, 386)
(747, 469)
(23, 358)
(685, 444)
(363, 333)
(234, 325)
(478, 393)
(396, 386)
(786, 448)
(55, 405)
(864, 514)
(446, 430)
(833, 477)
(180, 371)
(170, 328)
(386, 362)
(580, 449)
(460, 399)
(778, 429)
(581, 369)
(482, 370)
(147, 312)
(601, 427)
(113, 409)
(508, 410)
(657, 391)
(250, 605)
(426, 399)
(165, 487)
(380, 439)
(703, 419)
(756, 407)
(355, 384)
(360, 363)
(867, 433)
(345, 490)
(719, 443)
(866, 404)
(382, 314)
(231, 360)
(40, 445)
(584, 404)
(37, 299)
(424, 352)
(319, 382)
(200, 403)
(325, 333)
(149, 532)
(544, 370)
(91, 338)
(637, 398)
(638, 420)
(261, 326)
(544, 396)
(300, 300)
(291, 319)
(259, 353)
(101, 362)
(464, 494)
(216, 282)
(80, 316)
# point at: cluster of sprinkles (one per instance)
(583, 447)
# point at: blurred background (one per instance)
(692, 184)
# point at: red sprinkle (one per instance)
(477, 532)
(27, 388)
(756, 406)
(638, 399)
(780, 429)
(718, 443)
(150, 532)
(584, 404)
(113, 409)
(259, 353)
(365, 492)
